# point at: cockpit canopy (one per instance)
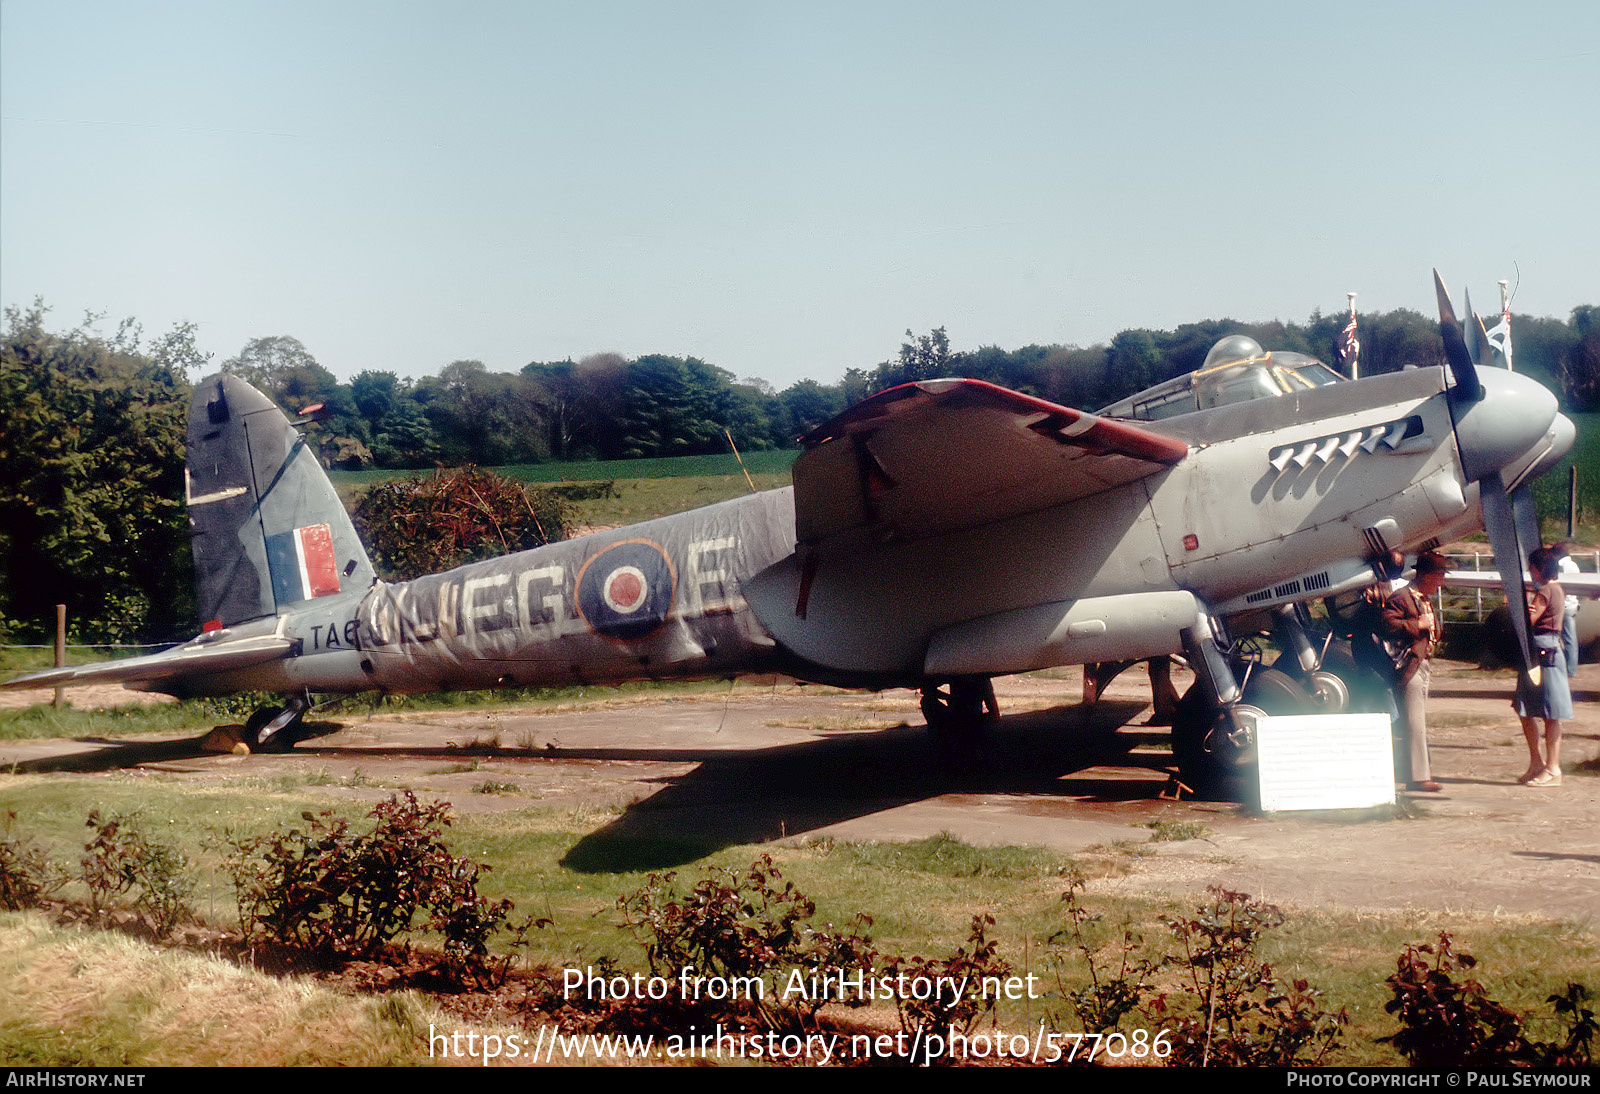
(1235, 371)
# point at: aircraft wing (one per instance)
(941, 455)
(150, 673)
(1575, 584)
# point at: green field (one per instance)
(773, 461)
(1551, 490)
(642, 489)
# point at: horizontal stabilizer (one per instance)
(196, 658)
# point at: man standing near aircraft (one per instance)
(1396, 637)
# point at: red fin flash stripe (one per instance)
(316, 557)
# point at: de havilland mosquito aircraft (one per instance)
(937, 535)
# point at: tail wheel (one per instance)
(271, 729)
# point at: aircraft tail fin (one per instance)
(267, 528)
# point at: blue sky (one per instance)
(783, 190)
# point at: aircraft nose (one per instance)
(1512, 416)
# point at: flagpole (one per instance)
(1505, 320)
(1350, 343)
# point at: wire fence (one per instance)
(86, 646)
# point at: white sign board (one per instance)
(1325, 761)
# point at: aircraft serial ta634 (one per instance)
(937, 535)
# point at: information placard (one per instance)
(1325, 761)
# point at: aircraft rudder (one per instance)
(268, 529)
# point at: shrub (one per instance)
(1113, 993)
(122, 859)
(434, 522)
(330, 892)
(743, 926)
(970, 964)
(1243, 1015)
(1446, 1023)
(468, 921)
(27, 876)
(585, 491)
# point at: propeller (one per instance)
(1463, 369)
(1501, 524)
(1486, 446)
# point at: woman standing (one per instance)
(1551, 700)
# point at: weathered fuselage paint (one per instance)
(662, 598)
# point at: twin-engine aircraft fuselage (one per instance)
(937, 535)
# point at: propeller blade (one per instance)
(1488, 354)
(1525, 514)
(1468, 389)
(1508, 559)
(1470, 328)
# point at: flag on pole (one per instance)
(1500, 334)
(1349, 344)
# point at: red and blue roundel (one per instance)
(625, 592)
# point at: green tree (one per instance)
(924, 357)
(1133, 364)
(1580, 366)
(91, 478)
(670, 408)
(806, 405)
(484, 417)
(284, 370)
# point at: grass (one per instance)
(836, 723)
(77, 998)
(770, 461)
(647, 499)
(43, 720)
(1551, 490)
(1174, 831)
(133, 1005)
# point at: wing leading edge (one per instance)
(942, 455)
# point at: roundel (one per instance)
(625, 591)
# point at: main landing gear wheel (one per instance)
(1216, 748)
(1339, 684)
(271, 729)
(961, 710)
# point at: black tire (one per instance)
(281, 741)
(1369, 692)
(256, 723)
(1207, 762)
(1276, 692)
